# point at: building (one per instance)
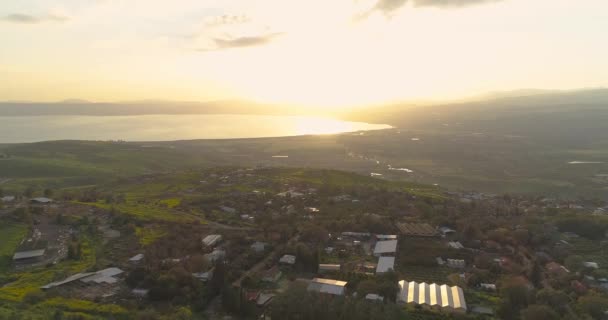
(374, 297)
(288, 259)
(137, 258)
(106, 276)
(327, 286)
(211, 240)
(385, 264)
(203, 276)
(29, 256)
(41, 200)
(455, 245)
(258, 246)
(329, 267)
(488, 286)
(432, 296)
(456, 263)
(446, 231)
(383, 237)
(383, 248)
(216, 255)
(264, 299)
(591, 265)
(7, 199)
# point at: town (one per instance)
(269, 243)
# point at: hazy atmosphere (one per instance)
(304, 160)
(313, 53)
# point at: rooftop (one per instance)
(389, 246)
(329, 286)
(385, 264)
(29, 254)
(431, 294)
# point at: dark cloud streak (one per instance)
(388, 6)
(21, 18)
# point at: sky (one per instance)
(331, 53)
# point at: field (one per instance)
(12, 235)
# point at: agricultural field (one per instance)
(12, 235)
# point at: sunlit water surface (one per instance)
(169, 127)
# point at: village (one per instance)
(236, 243)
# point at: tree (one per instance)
(593, 305)
(555, 299)
(538, 312)
(365, 287)
(48, 192)
(28, 192)
(574, 263)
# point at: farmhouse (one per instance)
(211, 240)
(328, 286)
(432, 295)
(383, 248)
(8, 199)
(258, 246)
(455, 245)
(385, 264)
(417, 230)
(215, 255)
(137, 258)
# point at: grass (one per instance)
(145, 211)
(11, 235)
(148, 235)
(32, 280)
(84, 306)
(171, 202)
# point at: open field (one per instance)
(12, 235)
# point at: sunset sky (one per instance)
(316, 52)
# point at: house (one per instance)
(455, 245)
(385, 264)
(264, 299)
(383, 248)
(7, 199)
(591, 265)
(288, 259)
(228, 209)
(258, 246)
(29, 256)
(216, 255)
(203, 276)
(327, 286)
(432, 295)
(440, 261)
(446, 231)
(103, 277)
(488, 286)
(272, 275)
(140, 293)
(374, 297)
(137, 258)
(328, 267)
(456, 263)
(41, 200)
(211, 240)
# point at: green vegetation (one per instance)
(147, 235)
(12, 235)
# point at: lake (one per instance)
(169, 127)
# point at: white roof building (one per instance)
(137, 258)
(455, 245)
(592, 265)
(41, 200)
(333, 287)
(385, 264)
(456, 263)
(323, 267)
(7, 198)
(288, 259)
(374, 297)
(385, 247)
(107, 276)
(258, 246)
(432, 295)
(215, 255)
(386, 237)
(211, 240)
(29, 254)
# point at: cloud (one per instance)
(21, 18)
(388, 6)
(223, 43)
